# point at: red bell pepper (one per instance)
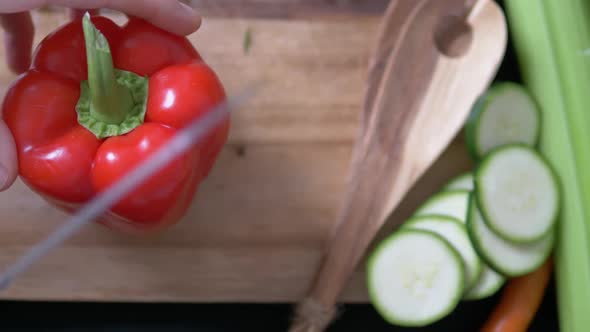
(97, 100)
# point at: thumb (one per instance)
(8, 159)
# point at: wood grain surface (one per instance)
(257, 225)
(289, 9)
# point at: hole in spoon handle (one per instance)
(453, 35)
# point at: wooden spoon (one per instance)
(433, 59)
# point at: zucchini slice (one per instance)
(414, 278)
(488, 284)
(461, 182)
(507, 258)
(505, 114)
(455, 233)
(452, 203)
(517, 193)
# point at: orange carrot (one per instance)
(520, 301)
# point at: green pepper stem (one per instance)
(110, 101)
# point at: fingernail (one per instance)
(185, 6)
(195, 17)
(3, 177)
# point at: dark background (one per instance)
(169, 317)
(117, 317)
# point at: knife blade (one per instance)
(180, 143)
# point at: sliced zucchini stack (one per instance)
(483, 227)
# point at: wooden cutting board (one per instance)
(256, 228)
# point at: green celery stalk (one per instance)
(549, 38)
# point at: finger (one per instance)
(78, 13)
(18, 39)
(8, 159)
(170, 15)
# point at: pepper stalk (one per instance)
(112, 101)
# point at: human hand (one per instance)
(18, 27)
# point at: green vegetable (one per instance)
(414, 278)
(548, 38)
(507, 258)
(488, 284)
(505, 114)
(452, 203)
(461, 182)
(454, 231)
(517, 193)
